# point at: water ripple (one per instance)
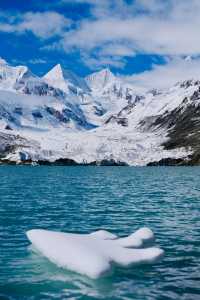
(83, 199)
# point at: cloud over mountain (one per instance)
(113, 33)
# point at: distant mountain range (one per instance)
(63, 119)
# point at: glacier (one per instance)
(94, 254)
(94, 119)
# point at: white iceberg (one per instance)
(94, 254)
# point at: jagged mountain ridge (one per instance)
(101, 79)
(66, 80)
(96, 118)
(27, 100)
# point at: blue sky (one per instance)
(137, 39)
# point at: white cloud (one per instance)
(153, 6)
(43, 25)
(162, 76)
(37, 61)
(116, 30)
(162, 27)
(97, 62)
(116, 49)
(157, 36)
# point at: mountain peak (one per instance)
(3, 61)
(55, 73)
(57, 68)
(104, 70)
(55, 78)
(63, 79)
(11, 75)
(100, 79)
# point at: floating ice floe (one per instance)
(94, 254)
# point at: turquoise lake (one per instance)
(84, 199)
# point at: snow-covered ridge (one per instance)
(10, 76)
(96, 118)
(65, 80)
(101, 79)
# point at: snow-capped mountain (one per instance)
(100, 80)
(28, 101)
(100, 118)
(10, 77)
(66, 80)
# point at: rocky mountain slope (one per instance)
(63, 119)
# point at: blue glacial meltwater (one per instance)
(86, 199)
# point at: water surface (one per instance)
(84, 199)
